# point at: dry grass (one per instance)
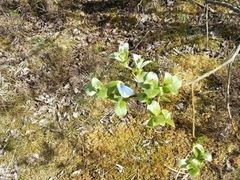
(49, 128)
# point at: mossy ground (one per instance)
(50, 128)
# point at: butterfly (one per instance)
(124, 91)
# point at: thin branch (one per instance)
(217, 68)
(224, 4)
(228, 90)
(207, 24)
(203, 6)
(176, 171)
(193, 113)
(228, 101)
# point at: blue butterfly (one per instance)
(124, 91)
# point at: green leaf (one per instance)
(122, 55)
(168, 78)
(157, 120)
(154, 108)
(116, 56)
(152, 79)
(96, 84)
(167, 116)
(138, 60)
(198, 150)
(142, 97)
(145, 63)
(151, 93)
(161, 91)
(207, 156)
(182, 164)
(165, 99)
(145, 86)
(194, 172)
(124, 47)
(102, 93)
(121, 108)
(194, 164)
(200, 139)
(151, 123)
(141, 77)
(171, 84)
(90, 90)
(114, 97)
(111, 87)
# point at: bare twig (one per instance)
(203, 6)
(224, 4)
(217, 68)
(228, 89)
(142, 39)
(228, 101)
(193, 113)
(228, 62)
(207, 24)
(176, 171)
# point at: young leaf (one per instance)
(124, 48)
(122, 55)
(182, 164)
(102, 93)
(138, 60)
(207, 156)
(151, 123)
(157, 120)
(116, 56)
(140, 77)
(121, 108)
(142, 97)
(145, 63)
(194, 172)
(165, 99)
(90, 90)
(194, 164)
(152, 79)
(168, 78)
(198, 150)
(111, 87)
(94, 87)
(96, 84)
(151, 93)
(154, 108)
(171, 84)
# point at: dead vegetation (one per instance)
(50, 129)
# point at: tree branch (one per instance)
(224, 4)
(217, 68)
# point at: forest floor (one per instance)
(50, 50)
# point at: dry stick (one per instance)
(228, 89)
(224, 4)
(142, 39)
(193, 113)
(216, 69)
(208, 74)
(228, 100)
(207, 24)
(203, 6)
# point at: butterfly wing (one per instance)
(125, 91)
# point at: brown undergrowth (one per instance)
(50, 129)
